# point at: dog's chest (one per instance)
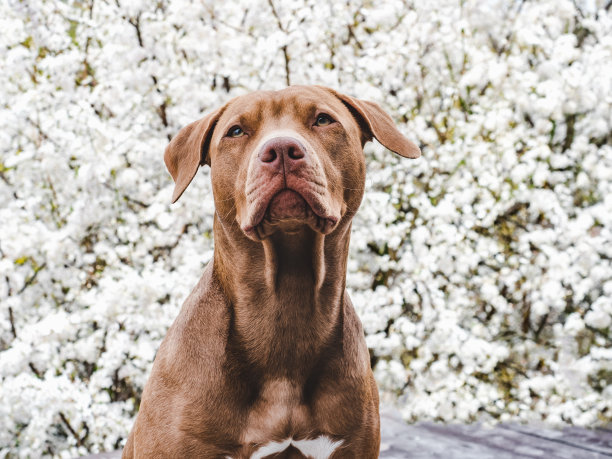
(278, 421)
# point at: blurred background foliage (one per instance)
(482, 271)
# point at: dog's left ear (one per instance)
(188, 150)
(379, 124)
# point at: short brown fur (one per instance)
(268, 345)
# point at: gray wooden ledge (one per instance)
(461, 441)
(473, 441)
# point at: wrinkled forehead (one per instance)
(298, 102)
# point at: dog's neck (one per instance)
(286, 293)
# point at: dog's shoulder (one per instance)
(354, 345)
(200, 330)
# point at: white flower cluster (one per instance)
(482, 272)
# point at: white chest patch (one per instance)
(319, 448)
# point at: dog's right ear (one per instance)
(188, 150)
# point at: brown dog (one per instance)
(267, 357)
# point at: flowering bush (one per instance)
(482, 272)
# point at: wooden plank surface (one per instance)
(594, 440)
(421, 441)
(460, 441)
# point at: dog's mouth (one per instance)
(289, 211)
(287, 205)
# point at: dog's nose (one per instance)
(281, 149)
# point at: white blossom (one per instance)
(481, 272)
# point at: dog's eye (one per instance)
(235, 131)
(323, 120)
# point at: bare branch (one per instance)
(284, 48)
(136, 24)
(278, 21)
(287, 72)
(32, 278)
(12, 321)
(79, 440)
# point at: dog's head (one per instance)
(284, 159)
